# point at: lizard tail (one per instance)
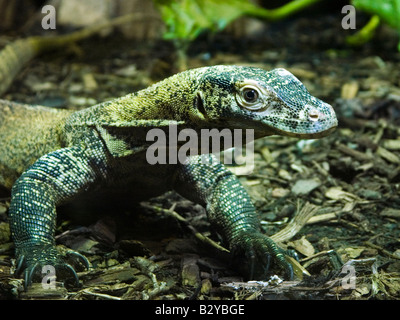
(12, 58)
(16, 54)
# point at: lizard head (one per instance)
(273, 102)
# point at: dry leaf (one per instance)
(336, 193)
(303, 246)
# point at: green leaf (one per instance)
(387, 10)
(186, 19)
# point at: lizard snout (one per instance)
(323, 113)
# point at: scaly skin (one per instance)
(60, 155)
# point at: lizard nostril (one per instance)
(313, 115)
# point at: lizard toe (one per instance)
(28, 274)
(40, 260)
(253, 254)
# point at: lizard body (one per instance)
(62, 154)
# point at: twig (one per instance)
(353, 153)
(100, 295)
(322, 218)
(379, 248)
(294, 226)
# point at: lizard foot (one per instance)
(33, 260)
(253, 252)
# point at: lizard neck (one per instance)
(171, 99)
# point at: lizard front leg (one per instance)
(204, 180)
(51, 180)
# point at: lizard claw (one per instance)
(79, 258)
(258, 251)
(28, 274)
(32, 259)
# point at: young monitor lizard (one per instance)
(48, 157)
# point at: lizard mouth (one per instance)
(309, 135)
(315, 131)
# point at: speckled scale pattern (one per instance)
(53, 179)
(298, 101)
(228, 205)
(59, 155)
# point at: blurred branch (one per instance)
(365, 34)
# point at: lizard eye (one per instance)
(249, 97)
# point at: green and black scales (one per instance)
(48, 157)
